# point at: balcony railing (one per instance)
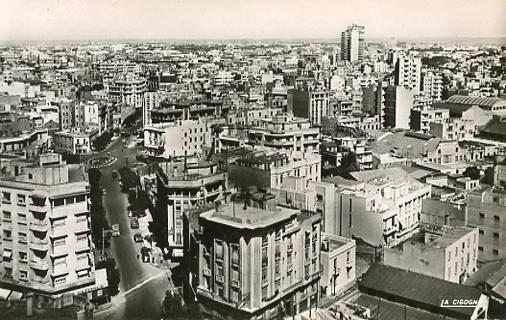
(39, 244)
(39, 264)
(39, 226)
(220, 278)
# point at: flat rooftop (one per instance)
(234, 215)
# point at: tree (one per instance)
(472, 172)
(172, 306)
(349, 162)
(113, 276)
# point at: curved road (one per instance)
(142, 287)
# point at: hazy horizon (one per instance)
(102, 20)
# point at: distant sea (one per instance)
(446, 41)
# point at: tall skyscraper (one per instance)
(352, 43)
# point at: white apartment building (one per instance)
(408, 72)
(177, 139)
(286, 133)
(127, 88)
(45, 227)
(270, 170)
(382, 206)
(399, 101)
(91, 113)
(78, 141)
(444, 252)
(421, 118)
(432, 85)
(452, 129)
(151, 101)
(338, 261)
(352, 43)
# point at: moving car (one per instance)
(134, 223)
(138, 237)
(115, 230)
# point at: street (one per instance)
(142, 286)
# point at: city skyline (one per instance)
(200, 20)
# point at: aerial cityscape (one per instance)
(253, 160)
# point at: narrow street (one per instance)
(142, 286)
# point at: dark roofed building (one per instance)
(492, 104)
(495, 129)
(423, 292)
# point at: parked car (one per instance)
(115, 230)
(138, 237)
(134, 223)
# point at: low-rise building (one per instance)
(448, 253)
(268, 169)
(421, 118)
(77, 141)
(177, 139)
(338, 260)
(381, 207)
(452, 129)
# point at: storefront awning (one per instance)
(4, 294)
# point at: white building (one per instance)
(46, 240)
(408, 72)
(447, 253)
(177, 139)
(151, 101)
(127, 88)
(352, 43)
(77, 141)
(338, 261)
(399, 101)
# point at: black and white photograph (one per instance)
(252, 160)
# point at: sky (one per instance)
(239, 19)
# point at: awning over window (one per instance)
(15, 295)
(7, 254)
(4, 293)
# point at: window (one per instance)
(60, 280)
(22, 237)
(81, 237)
(59, 242)
(7, 235)
(219, 250)
(482, 232)
(495, 252)
(21, 217)
(497, 218)
(496, 235)
(482, 215)
(480, 249)
(58, 202)
(80, 198)
(23, 256)
(59, 223)
(235, 254)
(7, 215)
(23, 275)
(21, 199)
(6, 197)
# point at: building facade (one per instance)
(352, 43)
(338, 260)
(46, 241)
(256, 262)
(447, 253)
(486, 210)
